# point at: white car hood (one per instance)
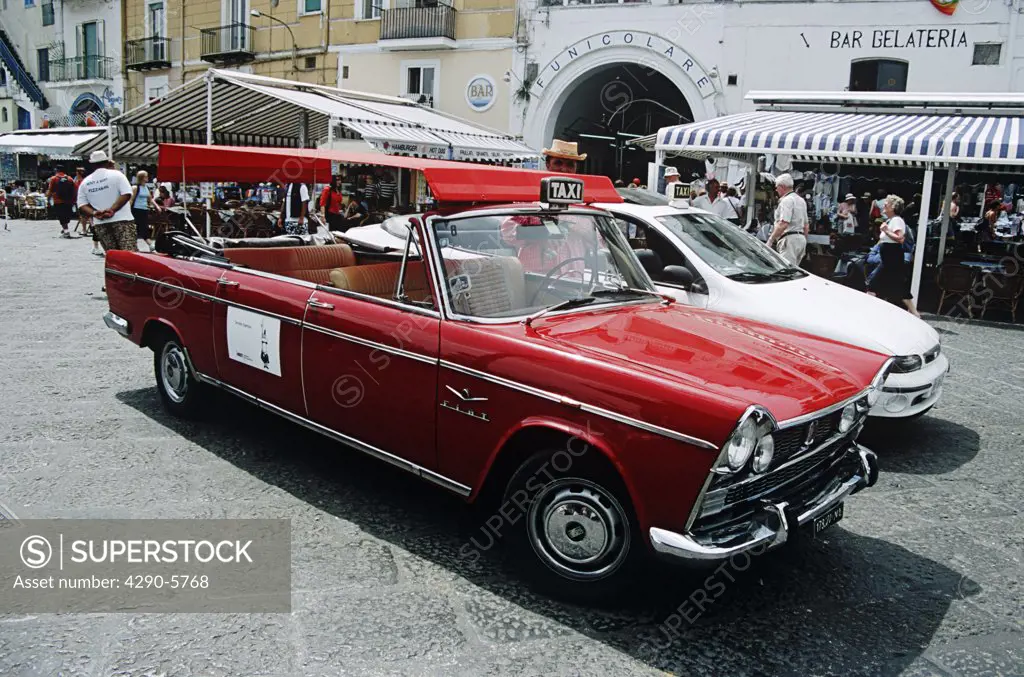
(828, 309)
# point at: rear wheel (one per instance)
(578, 537)
(180, 391)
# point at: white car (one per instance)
(703, 260)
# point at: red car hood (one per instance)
(787, 372)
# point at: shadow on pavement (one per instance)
(848, 605)
(929, 445)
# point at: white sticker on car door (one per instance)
(255, 340)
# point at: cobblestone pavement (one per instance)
(922, 576)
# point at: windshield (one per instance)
(728, 249)
(517, 264)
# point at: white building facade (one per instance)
(61, 62)
(603, 73)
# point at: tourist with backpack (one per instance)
(61, 190)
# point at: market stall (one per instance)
(920, 132)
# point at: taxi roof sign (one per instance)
(558, 190)
(680, 191)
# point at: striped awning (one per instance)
(870, 138)
(252, 110)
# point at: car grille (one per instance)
(780, 478)
(791, 441)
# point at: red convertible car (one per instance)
(537, 368)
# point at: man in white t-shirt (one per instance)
(104, 196)
(789, 237)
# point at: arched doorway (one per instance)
(636, 81)
(614, 104)
(86, 103)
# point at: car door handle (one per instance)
(320, 304)
(224, 282)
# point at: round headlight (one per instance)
(763, 454)
(741, 444)
(849, 417)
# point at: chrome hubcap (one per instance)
(174, 372)
(579, 529)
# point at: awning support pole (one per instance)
(209, 110)
(922, 231)
(330, 132)
(946, 207)
(748, 192)
(209, 141)
(110, 141)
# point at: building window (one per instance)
(420, 83)
(43, 64)
(156, 87)
(47, 13)
(369, 9)
(344, 72)
(30, 3)
(310, 6)
(3, 118)
(987, 53)
(878, 75)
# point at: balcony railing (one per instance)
(232, 43)
(147, 53)
(428, 21)
(82, 68)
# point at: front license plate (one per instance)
(828, 519)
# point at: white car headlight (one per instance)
(741, 445)
(849, 417)
(764, 453)
(904, 364)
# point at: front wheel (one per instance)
(578, 538)
(179, 390)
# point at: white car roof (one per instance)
(648, 211)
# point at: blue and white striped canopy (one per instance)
(875, 138)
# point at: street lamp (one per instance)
(295, 48)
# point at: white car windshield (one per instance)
(518, 264)
(728, 249)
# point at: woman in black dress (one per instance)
(892, 282)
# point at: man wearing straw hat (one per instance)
(562, 157)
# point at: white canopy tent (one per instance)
(979, 132)
(232, 108)
(57, 143)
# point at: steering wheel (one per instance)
(550, 277)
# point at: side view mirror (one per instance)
(678, 275)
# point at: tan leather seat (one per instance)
(381, 280)
(312, 263)
(497, 285)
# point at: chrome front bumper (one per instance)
(771, 528)
(117, 323)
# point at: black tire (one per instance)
(180, 392)
(577, 537)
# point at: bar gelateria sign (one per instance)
(899, 38)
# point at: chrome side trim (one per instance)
(831, 409)
(426, 359)
(359, 445)
(590, 409)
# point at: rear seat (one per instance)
(381, 280)
(313, 264)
